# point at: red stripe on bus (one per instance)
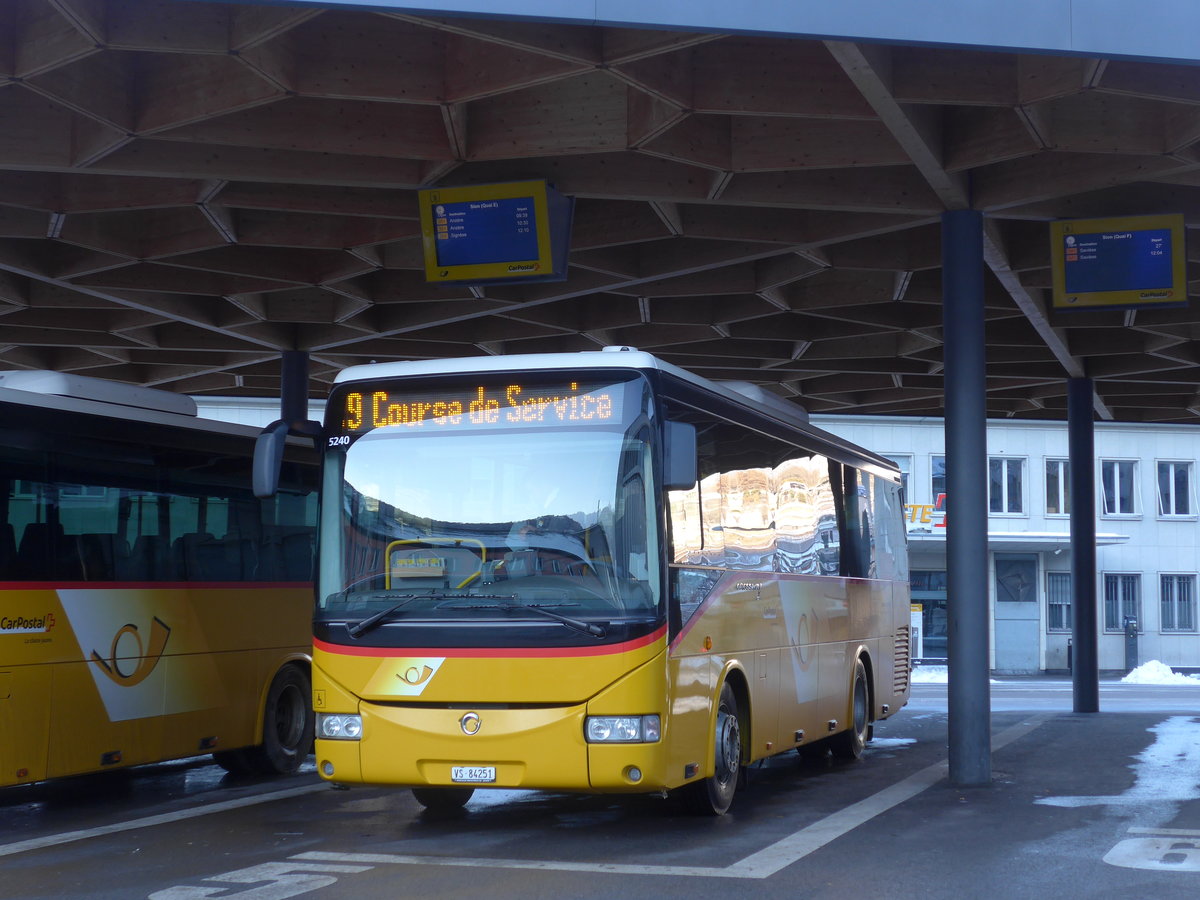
(491, 652)
(148, 585)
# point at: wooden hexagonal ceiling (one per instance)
(188, 188)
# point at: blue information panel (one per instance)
(1128, 262)
(486, 231)
(518, 231)
(1117, 261)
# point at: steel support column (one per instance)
(967, 499)
(1085, 668)
(293, 389)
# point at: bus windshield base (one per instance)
(591, 628)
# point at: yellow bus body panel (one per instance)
(101, 676)
(790, 643)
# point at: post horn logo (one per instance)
(414, 675)
(146, 657)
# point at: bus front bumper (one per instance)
(533, 748)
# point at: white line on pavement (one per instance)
(67, 837)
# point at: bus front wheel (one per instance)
(712, 796)
(850, 744)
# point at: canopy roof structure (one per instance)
(189, 188)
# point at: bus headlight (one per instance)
(622, 729)
(339, 727)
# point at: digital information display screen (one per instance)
(486, 231)
(479, 407)
(1130, 262)
(518, 231)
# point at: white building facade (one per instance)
(1148, 537)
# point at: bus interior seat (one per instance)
(103, 556)
(199, 556)
(521, 563)
(8, 550)
(286, 553)
(39, 551)
(150, 559)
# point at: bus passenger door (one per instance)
(798, 668)
(759, 637)
(833, 663)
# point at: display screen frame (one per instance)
(491, 251)
(1071, 239)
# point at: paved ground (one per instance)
(1081, 806)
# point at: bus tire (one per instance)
(288, 723)
(235, 762)
(442, 799)
(713, 796)
(850, 744)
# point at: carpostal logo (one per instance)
(524, 267)
(26, 624)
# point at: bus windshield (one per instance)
(534, 519)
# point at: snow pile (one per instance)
(934, 675)
(1155, 672)
(930, 675)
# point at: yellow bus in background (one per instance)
(151, 608)
(595, 572)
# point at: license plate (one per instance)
(473, 774)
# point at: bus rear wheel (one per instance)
(287, 729)
(713, 796)
(442, 799)
(850, 744)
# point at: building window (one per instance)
(1177, 597)
(1175, 489)
(905, 464)
(1058, 601)
(1118, 483)
(937, 482)
(1006, 485)
(1122, 600)
(1058, 487)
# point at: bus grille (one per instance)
(903, 660)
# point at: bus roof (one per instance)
(616, 357)
(744, 394)
(83, 387)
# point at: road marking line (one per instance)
(760, 865)
(1167, 832)
(67, 837)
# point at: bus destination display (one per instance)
(1129, 262)
(481, 407)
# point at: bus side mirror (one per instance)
(679, 456)
(268, 459)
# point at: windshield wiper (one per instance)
(591, 628)
(373, 620)
(362, 627)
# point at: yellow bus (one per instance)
(151, 608)
(595, 572)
